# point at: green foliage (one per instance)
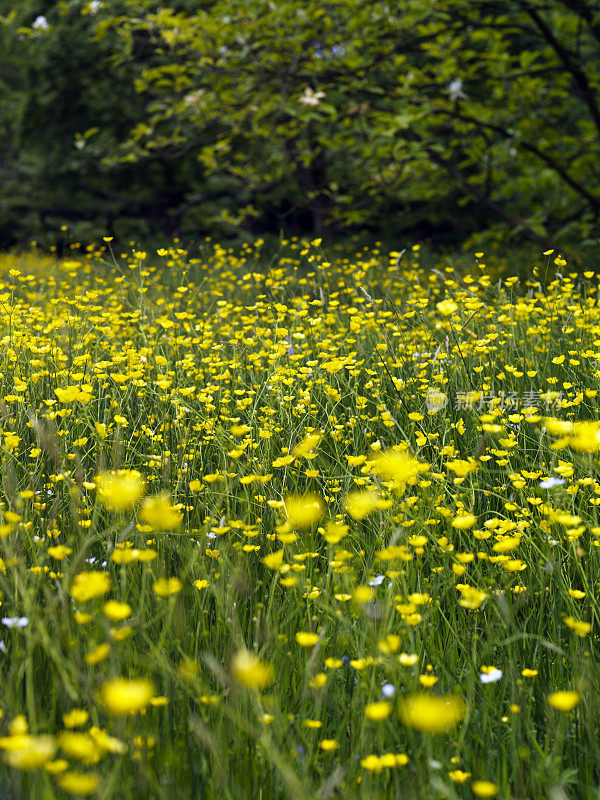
(440, 118)
(67, 103)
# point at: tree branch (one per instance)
(565, 56)
(592, 199)
(586, 13)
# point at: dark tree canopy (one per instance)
(440, 118)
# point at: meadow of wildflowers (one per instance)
(298, 528)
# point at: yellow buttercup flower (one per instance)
(334, 532)
(580, 627)
(458, 776)
(123, 696)
(363, 594)
(507, 544)
(431, 713)
(80, 746)
(108, 744)
(585, 437)
(390, 644)
(75, 718)
(529, 673)
(25, 752)
(564, 700)
(471, 597)
(165, 587)
(251, 671)
(81, 783)
(303, 511)
(88, 585)
(307, 445)
(56, 766)
(328, 744)
(160, 513)
(273, 560)
(59, 552)
(408, 659)
(398, 467)
(484, 789)
(464, 521)
(116, 611)
(361, 504)
(446, 307)
(306, 639)
(558, 427)
(378, 711)
(120, 490)
(97, 655)
(462, 467)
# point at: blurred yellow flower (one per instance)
(585, 437)
(306, 639)
(408, 659)
(80, 746)
(307, 445)
(75, 718)
(484, 789)
(88, 585)
(251, 671)
(318, 681)
(464, 521)
(471, 597)
(123, 696)
(334, 532)
(363, 594)
(458, 776)
(116, 611)
(56, 766)
(399, 467)
(558, 427)
(529, 673)
(378, 711)
(165, 587)
(160, 513)
(81, 783)
(462, 467)
(119, 490)
(390, 644)
(25, 752)
(303, 511)
(432, 713)
(375, 763)
(360, 504)
(101, 429)
(580, 627)
(564, 700)
(273, 560)
(59, 552)
(328, 744)
(446, 307)
(97, 655)
(506, 544)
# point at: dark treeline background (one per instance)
(458, 122)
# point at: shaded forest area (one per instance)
(460, 123)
